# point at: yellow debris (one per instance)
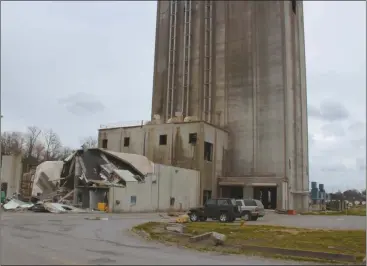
(183, 219)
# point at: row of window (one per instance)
(208, 147)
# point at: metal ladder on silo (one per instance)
(208, 23)
(171, 60)
(187, 56)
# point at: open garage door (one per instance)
(267, 195)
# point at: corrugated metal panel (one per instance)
(139, 162)
(125, 175)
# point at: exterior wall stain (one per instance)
(178, 151)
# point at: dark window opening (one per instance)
(171, 201)
(207, 194)
(126, 142)
(294, 6)
(104, 143)
(163, 140)
(208, 151)
(193, 138)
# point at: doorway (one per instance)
(267, 195)
(4, 188)
(235, 192)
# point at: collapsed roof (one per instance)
(91, 166)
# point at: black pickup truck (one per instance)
(223, 209)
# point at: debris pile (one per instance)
(81, 180)
(20, 206)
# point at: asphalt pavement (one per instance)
(56, 239)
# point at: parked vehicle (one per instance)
(251, 209)
(223, 209)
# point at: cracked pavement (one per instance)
(54, 239)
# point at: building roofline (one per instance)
(175, 123)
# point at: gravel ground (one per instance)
(41, 238)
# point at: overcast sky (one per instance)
(72, 66)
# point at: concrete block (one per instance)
(200, 237)
(178, 228)
(218, 238)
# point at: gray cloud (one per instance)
(333, 130)
(336, 167)
(311, 139)
(82, 103)
(329, 111)
(361, 164)
(313, 111)
(357, 128)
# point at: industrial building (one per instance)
(11, 173)
(123, 182)
(229, 100)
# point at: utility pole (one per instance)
(1, 156)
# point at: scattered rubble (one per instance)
(183, 219)
(14, 204)
(61, 208)
(60, 186)
(173, 227)
(18, 205)
(96, 218)
(200, 237)
(218, 238)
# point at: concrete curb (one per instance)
(200, 237)
(301, 253)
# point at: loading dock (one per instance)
(266, 192)
(267, 195)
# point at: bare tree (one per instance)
(90, 142)
(65, 152)
(12, 143)
(38, 151)
(52, 145)
(31, 139)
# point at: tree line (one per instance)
(42, 145)
(350, 195)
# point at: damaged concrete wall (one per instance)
(179, 188)
(168, 188)
(176, 150)
(11, 173)
(47, 175)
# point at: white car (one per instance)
(251, 209)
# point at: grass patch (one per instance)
(349, 242)
(351, 212)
